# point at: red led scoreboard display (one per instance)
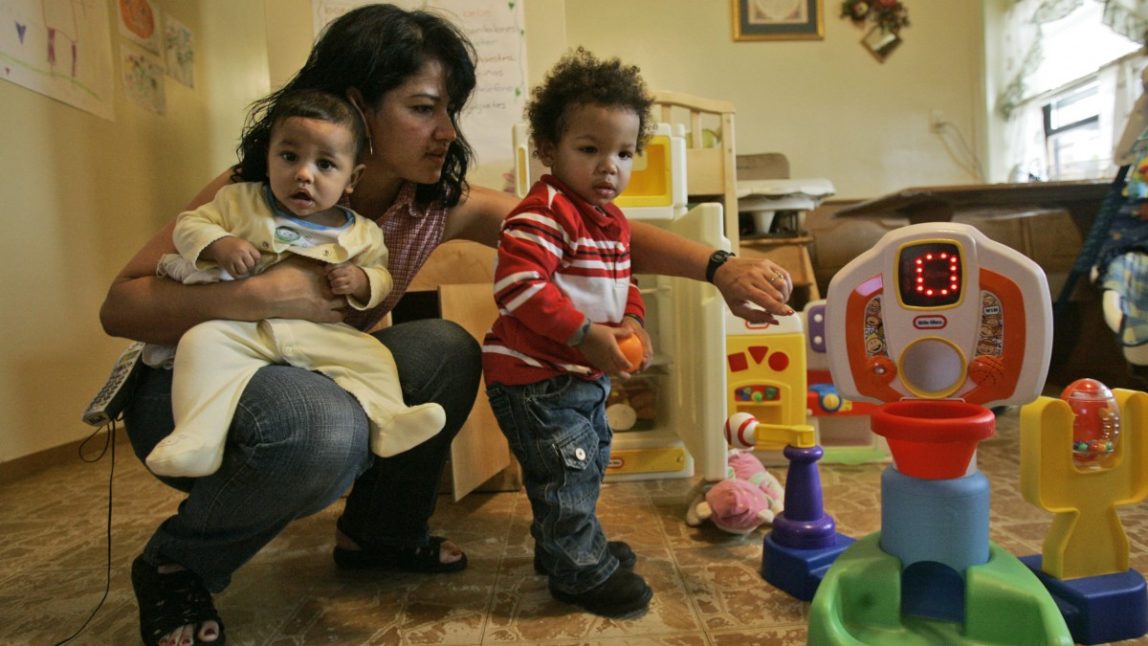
(930, 274)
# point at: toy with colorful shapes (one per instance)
(1085, 559)
(765, 377)
(767, 384)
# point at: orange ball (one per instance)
(632, 347)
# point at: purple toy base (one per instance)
(1098, 609)
(798, 572)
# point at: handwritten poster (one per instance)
(61, 49)
(496, 29)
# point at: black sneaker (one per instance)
(623, 593)
(620, 549)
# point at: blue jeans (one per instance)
(557, 429)
(297, 443)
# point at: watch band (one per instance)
(717, 259)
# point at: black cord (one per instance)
(109, 442)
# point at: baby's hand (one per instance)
(631, 324)
(349, 279)
(600, 347)
(234, 255)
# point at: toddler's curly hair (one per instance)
(580, 78)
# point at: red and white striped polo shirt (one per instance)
(560, 260)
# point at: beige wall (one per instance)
(291, 31)
(827, 105)
(82, 194)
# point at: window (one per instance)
(1075, 148)
(1075, 46)
(1066, 80)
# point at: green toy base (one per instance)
(854, 455)
(859, 602)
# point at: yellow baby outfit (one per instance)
(215, 360)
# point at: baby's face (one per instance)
(311, 164)
(594, 156)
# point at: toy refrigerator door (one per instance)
(685, 321)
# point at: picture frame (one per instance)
(881, 43)
(778, 20)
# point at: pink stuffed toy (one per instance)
(748, 498)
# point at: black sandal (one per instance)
(421, 558)
(170, 601)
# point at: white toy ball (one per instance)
(740, 430)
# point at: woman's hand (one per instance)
(159, 310)
(755, 289)
(298, 288)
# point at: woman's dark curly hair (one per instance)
(375, 48)
(316, 104)
(581, 79)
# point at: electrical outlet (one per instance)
(936, 120)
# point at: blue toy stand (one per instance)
(796, 571)
(1098, 609)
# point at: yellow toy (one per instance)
(1084, 563)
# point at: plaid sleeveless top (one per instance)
(411, 233)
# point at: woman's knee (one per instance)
(461, 354)
(293, 421)
(438, 361)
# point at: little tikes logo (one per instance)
(930, 322)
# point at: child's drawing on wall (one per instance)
(61, 49)
(143, 82)
(178, 51)
(139, 23)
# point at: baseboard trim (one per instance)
(33, 463)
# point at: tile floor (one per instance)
(708, 589)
